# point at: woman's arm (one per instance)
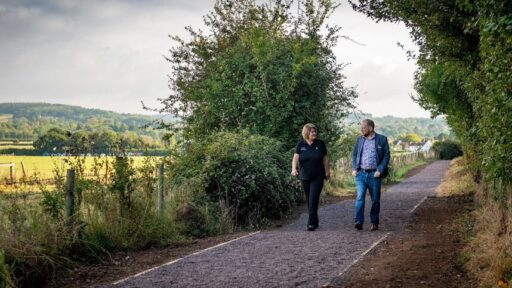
(326, 166)
(295, 160)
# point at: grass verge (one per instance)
(486, 231)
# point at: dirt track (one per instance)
(426, 254)
(290, 256)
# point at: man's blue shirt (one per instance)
(369, 153)
(382, 153)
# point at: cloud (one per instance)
(108, 54)
(96, 55)
(378, 66)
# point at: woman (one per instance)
(311, 154)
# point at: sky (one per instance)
(109, 54)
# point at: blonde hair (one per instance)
(306, 130)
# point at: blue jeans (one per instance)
(364, 181)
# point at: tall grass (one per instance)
(487, 231)
(490, 248)
(458, 180)
(114, 211)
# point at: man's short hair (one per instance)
(306, 130)
(370, 123)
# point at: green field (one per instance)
(10, 144)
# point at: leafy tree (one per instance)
(465, 73)
(447, 150)
(79, 143)
(104, 142)
(411, 138)
(259, 67)
(54, 140)
(442, 136)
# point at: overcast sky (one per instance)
(109, 54)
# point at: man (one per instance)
(369, 165)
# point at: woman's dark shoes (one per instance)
(312, 227)
(359, 226)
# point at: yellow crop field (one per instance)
(22, 142)
(11, 146)
(42, 167)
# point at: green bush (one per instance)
(246, 174)
(20, 152)
(447, 150)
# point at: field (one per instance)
(10, 144)
(40, 167)
(5, 118)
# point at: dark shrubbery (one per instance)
(20, 152)
(247, 174)
(447, 150)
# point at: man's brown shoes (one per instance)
(374, 227)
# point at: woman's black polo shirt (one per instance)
(311, 159)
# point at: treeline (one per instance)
(465, 73)
(396, 127)
(58, 141)
(29, 121)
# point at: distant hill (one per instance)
(394, 126)
(30, 120)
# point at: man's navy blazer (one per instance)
(383, 155)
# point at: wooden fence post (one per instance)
(23, 170)
(106, 171)
(161, 188)
(70, 198)
(11, 172)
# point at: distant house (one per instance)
(426, 146)
(413, 148)
(396, 145)
(419, 147)
(405, 146)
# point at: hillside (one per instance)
(30, 120)
(394, 126)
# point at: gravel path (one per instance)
(291, 256)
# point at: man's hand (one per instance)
(327, 176)
(354, 173)
(377, 174)
(294, 172)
